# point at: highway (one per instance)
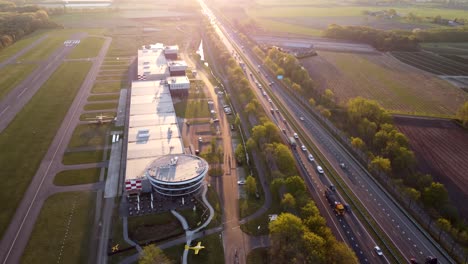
(347, 228)
(405, 234)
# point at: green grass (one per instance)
(258, 256)
(12, 75)
(107, 87)
(84, 117)
(89, 135)
(213, 199)
(70, 158)
(100, 106)
(21, 44)
(26, 140)
(88, 48)
(213, 253)
(154, 226)
(54, 41)
(104, 97)
(53, 229)
(277, 26)
(74, 177)
(192, 109)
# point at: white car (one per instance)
(310, 157)
(303, 148)
(264, 93)
(378, 251)
(301, 118)
(296, 136)
(269, 100)
(319, 169)
(200, 140)
(241, 182)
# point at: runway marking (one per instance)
(4, 110)
(19, 95)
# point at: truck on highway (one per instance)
(334, 202)
(292, 142)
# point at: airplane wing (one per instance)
(196, 251)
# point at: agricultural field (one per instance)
(433, 63)
(395, 86)
(310, 17)
(441, 148)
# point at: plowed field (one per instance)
(396, 86)
(441, 148)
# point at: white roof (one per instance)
(152, 119)
(166, 131)
(152, 62)
(154, 148)
(135, 168)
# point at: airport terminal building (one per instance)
(156, 158)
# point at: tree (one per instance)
(153, 255)
(328, 97)
(286, 234)
(288, 202)
(435, 195)
(380, 164)
(462, 113)
(444, 225)
(237, 121)
(340, 253)
(413, 194)
(314, 245)
(250, 185)
(357, 143)
(312, 102)
(284, 159)
(240, 154)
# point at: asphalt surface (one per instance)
(18, 232)
(16, 99)
(409, 238)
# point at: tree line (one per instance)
(301, 218)
(395, 40)
(371, 131)
(19, 21)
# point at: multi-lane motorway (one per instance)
(404, 233)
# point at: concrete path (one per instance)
(114, 170)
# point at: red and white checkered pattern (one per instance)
(141, 77)
(132, 185)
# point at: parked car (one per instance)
(241, 182)
(320, 170)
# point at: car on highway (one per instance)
(270, 101)
(378, 251)
(241, 182)
(296, 136)
(319, 169)
(301, 118)
(264, 93)
(303, 148)
(310, 157)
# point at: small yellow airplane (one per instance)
(197, 248)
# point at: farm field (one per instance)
(395, 86)
(446, 48)
(432, 63)
(441, 148)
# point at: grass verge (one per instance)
(21, 44)
(29, 135)
(48, 46)
(88, 48)
(89, 135)
(74, 177)
(258, 256)
(213, 253)
(192, 109)
(147, 228)
(103, 97)
(62, 231)
(107, 87)
(100, 106)
(70, 158)
(12, 75)
(84, 117)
